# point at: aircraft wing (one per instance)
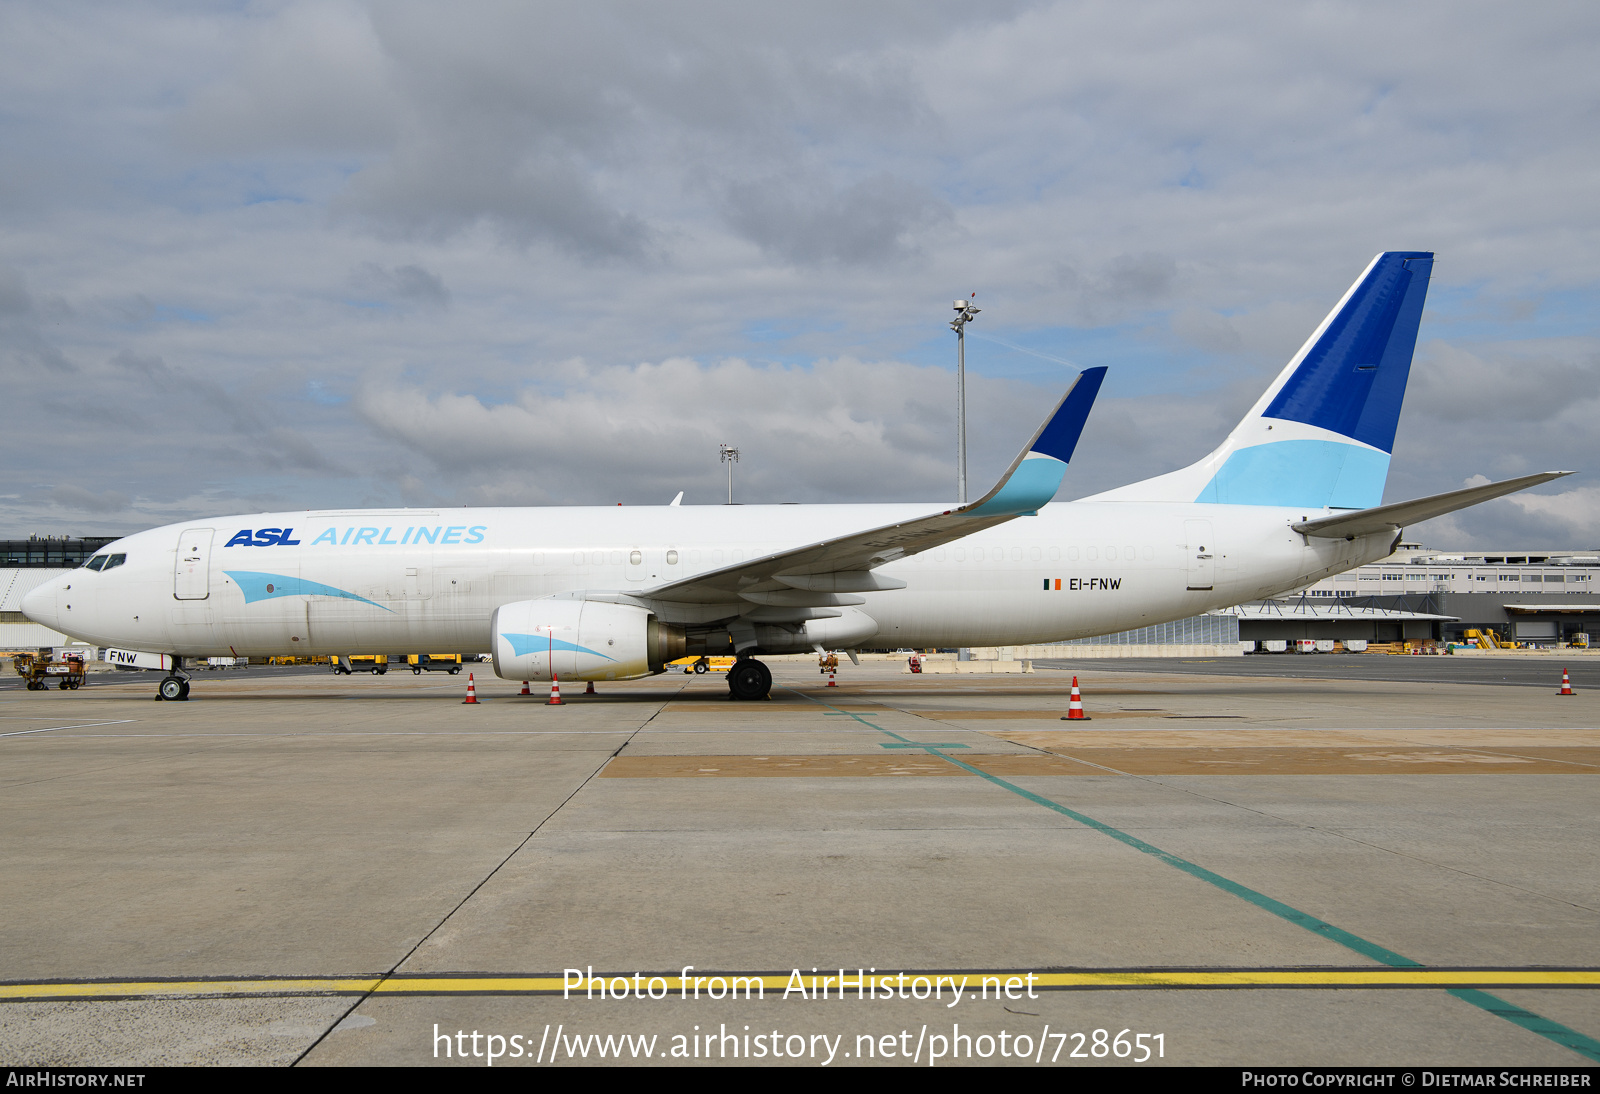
(844, 564)
(1390, 518)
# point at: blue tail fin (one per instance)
(1321, 435)
(1352, 379)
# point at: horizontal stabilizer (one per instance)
(1388, 518)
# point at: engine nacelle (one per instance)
(580, 640)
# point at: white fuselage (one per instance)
(411, 580)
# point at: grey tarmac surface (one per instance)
(300, 868)
(1534, 671)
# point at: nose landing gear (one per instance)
(173, 689)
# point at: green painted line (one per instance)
(1533, 1023)
(1260, 900)
(922, 744)
(1544, 1027)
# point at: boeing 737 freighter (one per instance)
(1292, 495)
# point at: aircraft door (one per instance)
(191, 575)
(636, 568)
(1201, 552)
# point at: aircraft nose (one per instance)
(39, 604)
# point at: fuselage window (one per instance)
(635, 558)
(672, 558)
(96, 562)
(1072, 554)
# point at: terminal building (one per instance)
(1540, 597)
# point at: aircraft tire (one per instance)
(172, 689)
(749, 679)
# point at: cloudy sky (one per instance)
(258, 256)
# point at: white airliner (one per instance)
(1292, 495)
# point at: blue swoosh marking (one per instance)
(1032, 484)
(1311, 473)
(254, 587)
(522, 644)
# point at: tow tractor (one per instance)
(38, 670)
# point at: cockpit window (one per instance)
(113, 561)
(96, 562)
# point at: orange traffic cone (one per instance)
(524, 690)
(1075, 706)
(590, 689)
(472, 692)
(555, 691)
(831, 682)
(1566, 684)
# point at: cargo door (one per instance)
(1202, 554)
(191, 577)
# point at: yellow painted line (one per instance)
(185, 989)
(777, 983)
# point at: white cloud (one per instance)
(364, 241)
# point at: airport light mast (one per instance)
(730, 456)
(966, 311)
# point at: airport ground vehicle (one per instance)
(40, 671)
(1293, 494)
(703, 664)
(375, 663)
(434, 662)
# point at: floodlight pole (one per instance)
(730, 456)
(965, 313)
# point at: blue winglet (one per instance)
(1035, 476)
(1059, 437)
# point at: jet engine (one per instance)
(580, 640)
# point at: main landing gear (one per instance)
(173, 689)
(749, 679)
